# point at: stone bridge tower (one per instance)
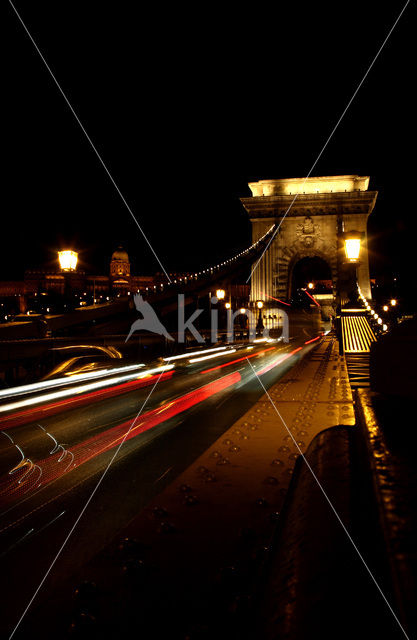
(311, 226)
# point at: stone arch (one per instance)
(326, 207)
(310, 253)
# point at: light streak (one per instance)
(211, 356)
(80, 390)
(194, 353)
(228, 364)
(277, 361)
(111, 438)
(59, 382)
(276, 299)
(310, 296)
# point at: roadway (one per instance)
(54, 450)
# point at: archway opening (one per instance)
(311, 273)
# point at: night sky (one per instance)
(186, 104)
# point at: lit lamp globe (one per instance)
(310, 285)
(220, 293)
(393, 302)
(259, 304)
(352, 240)
(68, 260)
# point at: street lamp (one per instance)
(260, 325)
(68, 260)
(393, 302)
(352, 241)
(227, 305)
(352, 248)
(220, 293)
(310, 285)
(385, 307)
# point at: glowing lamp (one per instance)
(310, 285)
(227, 305)
(259, 304)
(393, 302)
(352, 242)
(242, 310)
(385, 307)
(379, 320)
(68, 260)
(220, 293)
(385, 327)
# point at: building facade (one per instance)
(312, 214)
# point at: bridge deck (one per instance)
(227, 502)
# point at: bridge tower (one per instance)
(313, 213)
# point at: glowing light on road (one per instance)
(228, 364)
(112, 437)
(65, 393)
(59, 382)
(310, 296)
(277, 361)
(287, 304)
(193, 353)
(213, 355)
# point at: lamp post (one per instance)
(260, 325)
(220, 293)
(68, 259)
(352, 247)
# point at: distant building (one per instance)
(75, 284)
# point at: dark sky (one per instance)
(186, 104)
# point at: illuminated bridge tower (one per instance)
(323, 209)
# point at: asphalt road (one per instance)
(181, 415)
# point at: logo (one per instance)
(149, 321)
(255, 329)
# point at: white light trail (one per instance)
(81, 389)
(194, 353)
(59, 382)
(213, 355)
